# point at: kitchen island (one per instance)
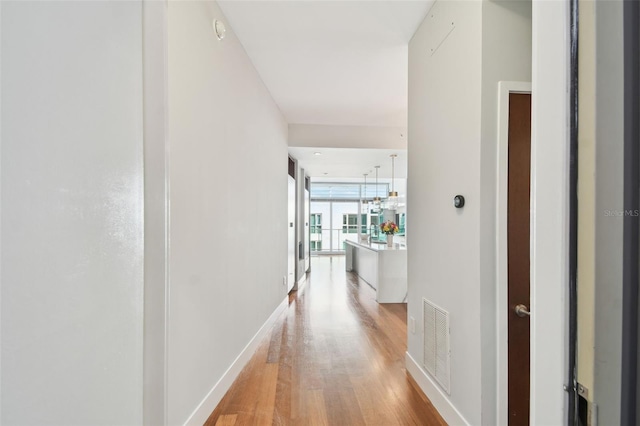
(383, 268)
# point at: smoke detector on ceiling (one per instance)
(219, 29)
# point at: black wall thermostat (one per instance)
(458, 201)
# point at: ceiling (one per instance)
(333, 63)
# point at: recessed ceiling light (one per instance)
(317, 153)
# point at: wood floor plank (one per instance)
(276, 343)
(341, 406)
(336, 357)
(316, 408)
(227, 420)
(266, 395)
(374, 403)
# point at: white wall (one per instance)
(444, 146)
(155, 211)
(609, 207)
(506, 56)
(368, 137)
(549, 201)
(72, 228)
(228, 198)
(453, 131)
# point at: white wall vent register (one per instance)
(437, 353)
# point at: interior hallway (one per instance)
(335, 357)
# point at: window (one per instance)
(316, 245)
(363, 226)
(400, 220)
(316, 223)
(350, 223)
(374, 227)
(347, 191)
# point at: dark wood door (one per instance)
(518, 256)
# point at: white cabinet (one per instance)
(383, 268)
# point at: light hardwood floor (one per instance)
(335, 357)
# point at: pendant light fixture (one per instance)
(392, 201)
(376, 199)
(365, 202)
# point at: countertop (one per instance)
(375, 246)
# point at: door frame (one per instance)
(292, 258)
(630, 318)
(505, 88)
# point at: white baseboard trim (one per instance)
(439, 400)
(300, 283)
(213, 398)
